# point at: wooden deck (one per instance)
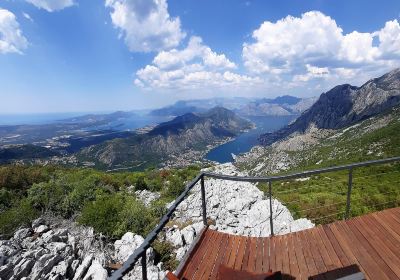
(370, 243)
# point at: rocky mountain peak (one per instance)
(345, 105)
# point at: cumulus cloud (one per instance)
(146, 25)
(52, 5)
(11, 38)
(194, 67)
(313, 46)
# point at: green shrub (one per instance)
(164, 252)
(115, 214)
(17, 216)
(176, 186)
(103, 214)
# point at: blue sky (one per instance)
(105, 55)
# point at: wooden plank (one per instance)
(240, 253)
(379, 245)
(362, 255)
(209, 247)
(301, 260)
(285, 255)
(393, 217)
(251, 264)
(380, 230)
(272, 251)
(312, 269)
(342, 243)
(266, 244)
(235, 247)
(370, 249)
(209, 261)
(221, 254)
(315, 252)
(227, 254)
(323, 252)
(293, 263)
(259, 253)
(198, 255)
(246, 254)
(334, 259)
(278, 253)
(387, 225)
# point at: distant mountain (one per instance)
(345, 105)
(199, 105)
(186, 134)
(98, 119)
(281, 100)
(279, 106)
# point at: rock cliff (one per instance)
(345, 105)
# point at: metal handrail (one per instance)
(141, 251)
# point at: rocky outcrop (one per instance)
(56, 249)
(232, 207)
(345, 105)
(147, 197)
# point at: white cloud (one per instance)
(389, 38)
(146, 25)
(52, 5)
(194, 67)
(194, 50)
(11, 38)
(312, 72)
(27, 16)
(314, 47)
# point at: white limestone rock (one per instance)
(238, 208)
(41, 229)
(96, 272)
(127, 245)
(83, 268)
(22, 233)
(147, 197)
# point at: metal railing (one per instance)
(140, 253)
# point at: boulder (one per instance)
(127, 245)
(41, 229)
(147, 197)
(22, 233)
(83, 268)
(96, 272)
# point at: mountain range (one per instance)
(186, 136)
(279, 106)
(344, 105)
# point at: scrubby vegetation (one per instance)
(105, 201)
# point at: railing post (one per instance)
(144, 266)
(203, 201)
(271, 222)
(349, 188)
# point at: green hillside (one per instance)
(322, 198)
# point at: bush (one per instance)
(176, 186)
(46, 196)
(165, 254)
(115, 214)
(20, 215)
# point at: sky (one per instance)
(106, 55)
